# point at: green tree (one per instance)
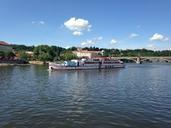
(2, 54)
(22, 48)
(24, 56)
(57, 52)
(9, 55)
(72, 49)
(68, 56)
(43, 53)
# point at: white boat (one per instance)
(86, 64)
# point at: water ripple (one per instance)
(135, 97)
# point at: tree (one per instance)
(22, 48)
(57, 52)
(2, 54)
(72, 49)
(91, 48)
(44, 53)
(24, 56)
(68, 56)
(9, 55)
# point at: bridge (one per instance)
(142, 59)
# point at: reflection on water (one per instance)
(137, 96)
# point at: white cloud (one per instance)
(38, 22)
(133, 35)
(77, 25)
(88, 43)
(41, 22)
(100, 38)
(113, 41)
(92, 41)
(151, 47)
(166, 39)
(159, 37)
(77, 33)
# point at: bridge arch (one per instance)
(134, 60)
(151, 59)
(144, 59)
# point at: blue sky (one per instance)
(123, 24)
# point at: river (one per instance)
(137, 96)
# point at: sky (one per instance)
(122, 24)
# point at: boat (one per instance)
(84, 64)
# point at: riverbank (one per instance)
(36, 62)
(18, 64)
(9, 64)
(22, 64)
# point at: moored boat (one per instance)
(86, 64)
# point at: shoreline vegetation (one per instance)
(41, 54)
(22, 64)
(8, 64)
(15, 64)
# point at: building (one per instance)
(5, 47)
(30, 53)
(88, 54)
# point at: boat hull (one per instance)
(53, 66)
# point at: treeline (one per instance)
(6, 55)
(52, 53)
(44, 52)
(135, 53)
(55, 53)
(22, 47)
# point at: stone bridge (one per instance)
(142, 59)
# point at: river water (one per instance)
(137, 96)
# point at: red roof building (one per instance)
(4, 43)
(5, 47)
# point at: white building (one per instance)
(87, 54)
